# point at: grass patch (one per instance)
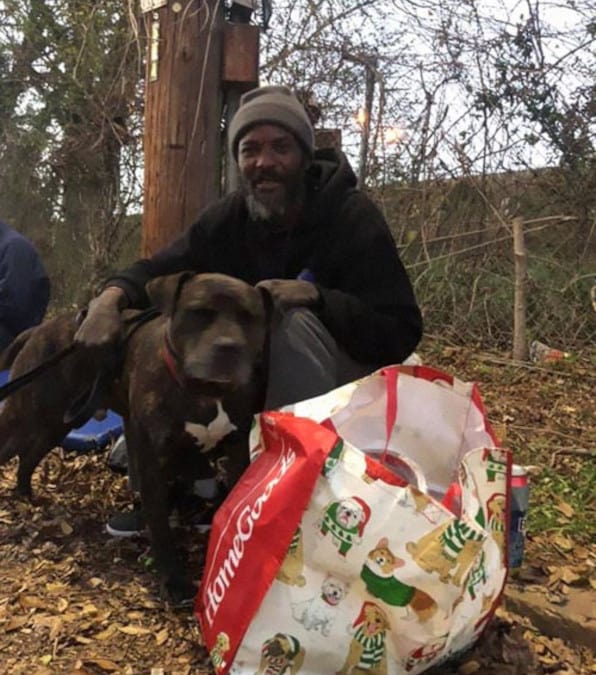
(563, 500)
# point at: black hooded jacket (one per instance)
(342, 243)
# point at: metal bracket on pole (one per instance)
(150, 5)
(154, 47)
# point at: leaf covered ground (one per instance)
(73, 600)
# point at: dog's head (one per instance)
(351, 513)
(374, 620)
(280, 645)
(384, 558)
(217, 325)
(333, 590)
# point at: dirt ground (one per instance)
(73, 600)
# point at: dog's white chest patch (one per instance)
(208, 436)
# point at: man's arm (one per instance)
(102, 324)
(369, 304)
(187, 252)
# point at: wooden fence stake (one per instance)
(520, 345)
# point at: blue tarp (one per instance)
(93, 435)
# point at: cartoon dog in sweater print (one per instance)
(426, 654)
(378, 573)
(281, 654)
(217, 654)
(450, 550)
(292, 566)
(496, 508)
(345, 520)
(367, 654)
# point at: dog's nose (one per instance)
(227, 345)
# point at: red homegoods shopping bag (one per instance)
(394, 537)
(254, 528)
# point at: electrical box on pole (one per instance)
(240, 72)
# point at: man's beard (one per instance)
(273, 207)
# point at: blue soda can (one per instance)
(520, 494)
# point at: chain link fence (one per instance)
(456, 241)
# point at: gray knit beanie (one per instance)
(271, 105)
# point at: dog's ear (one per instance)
(267, 303)
(164, 292)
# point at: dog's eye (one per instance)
(205, 314)
(244, 316)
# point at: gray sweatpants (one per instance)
(305, 360)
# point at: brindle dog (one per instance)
(202, 348)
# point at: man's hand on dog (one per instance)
(101, 327)
(289, 293)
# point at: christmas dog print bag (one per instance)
(367, 535)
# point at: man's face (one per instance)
(272, 165)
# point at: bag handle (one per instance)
(452, 498)
(391, 375)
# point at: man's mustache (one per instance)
(267, 175)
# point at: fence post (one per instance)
(520, 345)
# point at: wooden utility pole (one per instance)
(240, 72)
(182, 145)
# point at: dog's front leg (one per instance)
(148, 457)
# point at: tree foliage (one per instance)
(473, 86)
(468, 103)
(69, 84)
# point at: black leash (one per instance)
(84, 407)
(93, 393)
(12, 386)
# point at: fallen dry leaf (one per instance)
(104, 664)
(15, 623)
(65, 528)
(62, 605)
(570, 577)
(106, 634)
(89, 608)
(562, 542)
(162, 636)
(81, 639)
(32, 602)
(56, 587)
(134, 630)
(54, 623)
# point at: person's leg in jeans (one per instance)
(305, 360)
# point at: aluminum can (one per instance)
(520, 495)
(541, 353)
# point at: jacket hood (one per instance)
(330, 174)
